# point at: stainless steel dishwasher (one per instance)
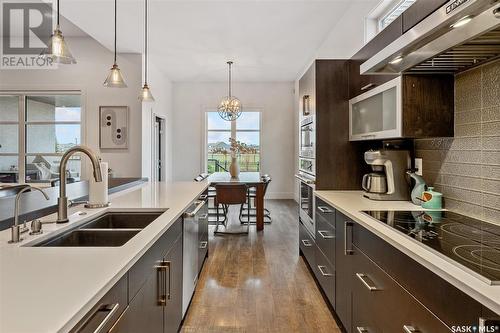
(191, 250)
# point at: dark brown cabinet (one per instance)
(173, 288)
(325, 87)
(380, 289)
(344, 261)
(149, 296)
(419, 11)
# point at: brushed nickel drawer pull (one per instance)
(347, 225)
(325, 210)
(321, 269)
(322, 234)
(203, 245)
(306, 242)
(362, 329)
(112, 308)
(203, 197)
(203, 216)
(199, 204)
(161, 268)
(364, 279)
(169, 265)
(410, 329)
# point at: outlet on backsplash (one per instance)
(419, 166)
(466, 168)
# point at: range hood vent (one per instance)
(435, 46)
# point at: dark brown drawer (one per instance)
(325, 274)
(424, 285)
(325, 239)
(400, 311)
(307, 245)
(107, 310)
(325, 211)
(139, 273)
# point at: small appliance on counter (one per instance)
(388, 179)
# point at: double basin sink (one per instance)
(111, 229)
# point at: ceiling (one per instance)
(192, 40)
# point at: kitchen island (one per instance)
(50, 289)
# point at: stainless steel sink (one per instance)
(123, 220)
(91, 238)
(108, 230)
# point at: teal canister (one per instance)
(432, 199)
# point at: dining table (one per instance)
(251, 179)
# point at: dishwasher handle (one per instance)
(199, 206)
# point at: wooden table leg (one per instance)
(259, 205)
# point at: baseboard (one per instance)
(279, 195)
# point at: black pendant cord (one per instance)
(57, 14)
(146, 42)
(230, 63)
(115, 34)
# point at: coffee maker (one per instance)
(388, 180)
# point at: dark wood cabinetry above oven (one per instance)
(339, 163)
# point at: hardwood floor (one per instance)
(258, 283)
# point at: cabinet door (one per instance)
(343, 269)
(145, 311)
(325, 274)
(307, 246)
(377, 114)
(307, 92)
(173, 288)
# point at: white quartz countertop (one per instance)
(49, 289)
(351, 203)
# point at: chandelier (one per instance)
(230, 106)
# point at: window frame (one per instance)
(233, 131)
(22, 123)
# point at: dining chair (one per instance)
(249, 210)
(227, 195)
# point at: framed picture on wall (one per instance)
(113, 127)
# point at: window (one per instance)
(246, 130)
(394, 13)
(35, 130)
(383, 15)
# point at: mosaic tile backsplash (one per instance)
(466, 168)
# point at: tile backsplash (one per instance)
(466, 168)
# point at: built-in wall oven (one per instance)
(306, 201)
(307, 137)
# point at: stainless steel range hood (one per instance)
(439, 45)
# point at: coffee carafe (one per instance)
(387, 181)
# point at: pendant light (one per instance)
(229, 107)
(57, 49)
(145, 94)
(115, 78)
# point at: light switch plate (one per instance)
(419, 167)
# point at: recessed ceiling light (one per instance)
(396, 60)
(463, 21)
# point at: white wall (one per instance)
(161, 88)
(276, 100)
(88, 75)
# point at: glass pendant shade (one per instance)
(115, 78)
(58, 50)
(229, 108)
(146, 95)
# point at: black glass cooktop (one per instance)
(471, 242)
